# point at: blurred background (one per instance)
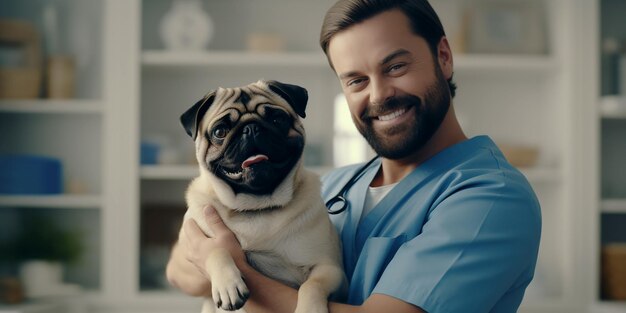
(94, 162)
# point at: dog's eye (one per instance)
(220, 132)
(280, 119)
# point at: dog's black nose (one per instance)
(251, 129)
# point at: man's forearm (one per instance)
(267, 295)
(270, 296)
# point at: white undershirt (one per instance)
(373, 196)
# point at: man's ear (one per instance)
(444, 57)
(192, 117)
(295, 95)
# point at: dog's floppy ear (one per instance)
(295, 95)
(192, 117)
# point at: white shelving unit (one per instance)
(606, 132)
(74, 131)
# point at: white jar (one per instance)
(186, 26)
(40, 278)
(43, 279)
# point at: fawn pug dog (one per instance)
(249, 142)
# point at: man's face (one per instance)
(396, 91)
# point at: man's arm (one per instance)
(270, 296)
(267, 295)
(184, 275)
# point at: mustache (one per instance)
(391, 104)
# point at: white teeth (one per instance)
(233, 175)
(391, 115)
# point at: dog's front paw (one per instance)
(229, 290)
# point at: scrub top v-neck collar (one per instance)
(355, 238)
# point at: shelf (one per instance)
(53, 202)
(158, 300)
(187, 172)
(542, 175)
(614, 115)
(232, 58)
(53, 304)
(613, 107)
(505, 63)
(169, 172)
(613, 206)
(35, 307)
(609, 307)
(545, 305)
(463, 62)
(51, 106)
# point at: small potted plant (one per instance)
(41, 249)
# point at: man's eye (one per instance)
(395, 67)
(355, 81)
(220, 132)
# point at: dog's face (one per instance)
(251, 137)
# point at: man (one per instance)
(440, 223)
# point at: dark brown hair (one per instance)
(424, 21)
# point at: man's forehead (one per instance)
(374, 40)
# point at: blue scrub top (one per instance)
(458, 234)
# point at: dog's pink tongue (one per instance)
(253, 160)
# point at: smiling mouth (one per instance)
(249, 165)
(392, 115)
(232, 175)
(245, 165)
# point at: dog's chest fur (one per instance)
(270, 236)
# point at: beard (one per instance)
(402, 140)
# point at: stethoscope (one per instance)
(339, 201)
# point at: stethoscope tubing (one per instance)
(341, 195)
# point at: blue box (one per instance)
(149, 153)
(30, 174)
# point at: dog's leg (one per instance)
(313, 295)
(229, 290)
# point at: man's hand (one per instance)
(200, 246)
(185, 269)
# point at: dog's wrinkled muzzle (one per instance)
(258, 158)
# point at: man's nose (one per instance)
(381, 90)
